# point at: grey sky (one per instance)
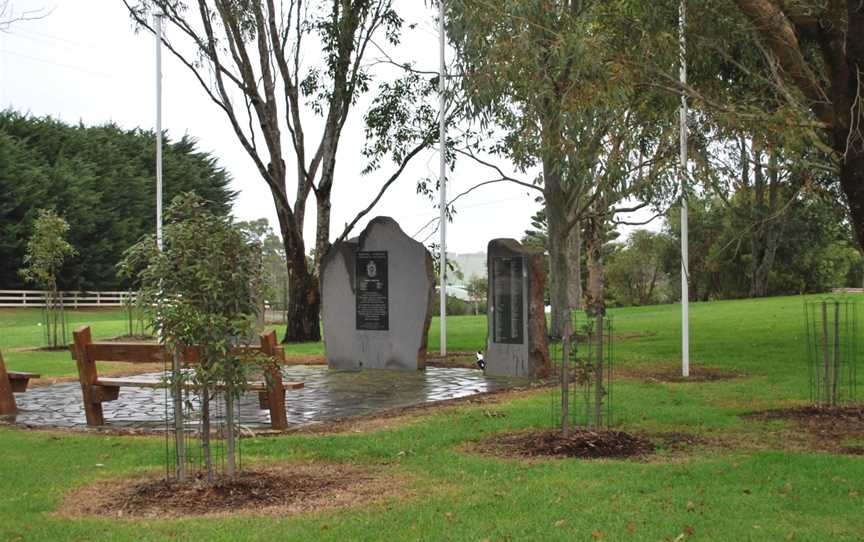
(83, 62)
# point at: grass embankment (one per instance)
(749, 480)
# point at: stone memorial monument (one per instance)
(516, 343)
(377, 291)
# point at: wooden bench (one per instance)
(11, 382)
(96, 390)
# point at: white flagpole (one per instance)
(685, 290)
(177, 399)
(442, 132)
(157, 22)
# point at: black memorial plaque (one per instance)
(373, 313)
(507, 296)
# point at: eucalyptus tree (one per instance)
(758, 177)
(784, 67)
(815, 57)
(545, 75)
(270, 67)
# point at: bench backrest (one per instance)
(7, 398)
(148, 352)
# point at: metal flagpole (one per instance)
(685, 290)
(442, 131)
(157, 22)
(180, 445)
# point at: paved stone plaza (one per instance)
(328, 395)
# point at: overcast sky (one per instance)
(83, 62)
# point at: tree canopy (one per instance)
(101, 180)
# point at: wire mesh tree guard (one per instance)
(832, 350)
(185, 450)
(584, 360)
(55, 331)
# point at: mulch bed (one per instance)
(672, 374)
(580, 443)
(828, 427)
(295, 488)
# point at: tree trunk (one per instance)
(767, 235)
(758, 228)
(559, 267)
(304, 301)
(595, 303)
(558, 285)
(574, 261)
(304, 304)
(205, 433)
(322, 233)
(557, 245)
(852, 183)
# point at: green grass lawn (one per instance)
(750, 488)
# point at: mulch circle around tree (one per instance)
(829, 427)
(280, 490)
(579, 443)
(672, 374)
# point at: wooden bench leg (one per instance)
(275, 389)
(87, 376)
(7, 397)
(19, 385)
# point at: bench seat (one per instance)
(20, 380)
(10, 384)
(158, 384)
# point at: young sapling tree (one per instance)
(201, 292)
(47, 249)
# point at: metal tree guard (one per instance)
(832, 350)
(584, 359)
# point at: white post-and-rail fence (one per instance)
(71, 300)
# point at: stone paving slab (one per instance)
(328, 394)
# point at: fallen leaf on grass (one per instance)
(631, 527)
(560, 523)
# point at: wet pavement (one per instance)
(327, 395)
